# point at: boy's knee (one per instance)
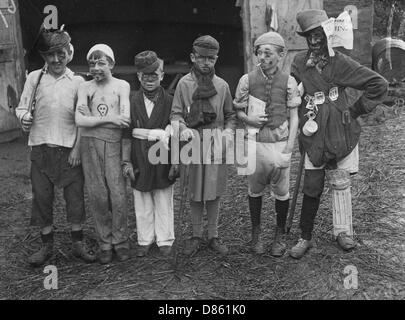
(314, 181)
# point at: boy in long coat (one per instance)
(203, 101)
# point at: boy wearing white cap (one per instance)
(102, 112)
(266, 100)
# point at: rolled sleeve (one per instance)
(229, 112)
(242, 94)
(177, 113)
(23, 106)
(293, 94)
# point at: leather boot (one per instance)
(299, 250)
(44, 253)
(80, 251)
(257, 244)
(345, 241)
(278, 246)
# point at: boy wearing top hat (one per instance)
(330, 145)
(202, 101)
(54, 142)
(102, 112)
(152, 183)
(266, 100)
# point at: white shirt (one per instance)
(149, 105)
(54, 117)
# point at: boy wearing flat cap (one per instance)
(202, 101)
(329, 131)
(102, 112)
(266, 100)
(152, 183)
(54, 142)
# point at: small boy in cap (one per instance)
(202, 101)
(152, 183)
(54, 143)
(266, 100)
(102, 112)
(333, 145)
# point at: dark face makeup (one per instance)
(316, 40)
(100, 68)
(204, 63)
(150, 81)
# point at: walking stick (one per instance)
(184, 177)
(295, 195)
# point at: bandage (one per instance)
(339, 181)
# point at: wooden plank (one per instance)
(255, 24)
(12, 74)
(247, 44)
(364, 32)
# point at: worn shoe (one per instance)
(298, 251)
(42, 255)
(216, 245)
(165, 250)
(80, 251)
(192, 246)
(278, 246)
(345, 241)
(105, 256)
(257, 244)
(122, 254)
(143, 251)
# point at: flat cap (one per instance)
(270, 38)
(52, 40)
(146, 61)
(206, 45)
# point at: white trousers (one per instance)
(154, 216)
(349, 163)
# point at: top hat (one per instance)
(310, 19)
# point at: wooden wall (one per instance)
(12, 72)
(254, 23)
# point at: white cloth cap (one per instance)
(104, 49)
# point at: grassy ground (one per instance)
(379, 221)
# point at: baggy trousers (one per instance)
(106, 188)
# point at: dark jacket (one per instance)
(338, 131)
(150, 176)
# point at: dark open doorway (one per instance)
(165, 26)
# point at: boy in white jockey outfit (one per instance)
(152, 183)
(266, 100)
(102, 112)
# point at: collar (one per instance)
(68, 74)
(271, 76)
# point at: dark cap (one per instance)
(146, 61)
(52, 40)
(206, 46)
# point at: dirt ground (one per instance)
(379, 220)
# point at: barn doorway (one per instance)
(165, 26)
